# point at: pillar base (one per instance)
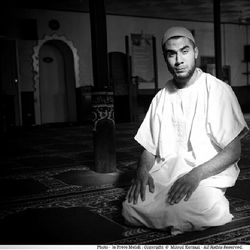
(104, 132)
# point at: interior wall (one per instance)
(25, 52)
(248, 34)
(119, 27)
(235, 39)
(76, 28)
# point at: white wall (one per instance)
(75, 27)
(234, 40)
(118, 27)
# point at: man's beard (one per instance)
(182, 78)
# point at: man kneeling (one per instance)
(191, 138)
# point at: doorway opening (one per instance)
(56, 76)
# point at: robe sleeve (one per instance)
(148, 133)
(225, 120)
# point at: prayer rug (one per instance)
(104, 209)
(50, 195)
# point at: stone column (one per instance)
(102, 95)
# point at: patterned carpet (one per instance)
(107, 204)
(51, 195)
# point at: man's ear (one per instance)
(196, 52)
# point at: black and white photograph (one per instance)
(124, 124)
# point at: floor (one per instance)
(43, 164)
(50, 193)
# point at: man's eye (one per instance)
(185, 51)
(170, 54)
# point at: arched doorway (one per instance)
(56, 83)
(56, 76)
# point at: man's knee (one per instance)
(129, 213)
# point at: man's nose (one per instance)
(178, 59)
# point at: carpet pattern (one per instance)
(51, 168)
(107, 204)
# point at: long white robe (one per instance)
(185, 128)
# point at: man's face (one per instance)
(180, 56)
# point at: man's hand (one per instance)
(183, 187)
(139, 183)
(186, 185)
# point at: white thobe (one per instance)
(185, 128)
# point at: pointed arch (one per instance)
(36, 76)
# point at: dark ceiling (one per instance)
(232, 11)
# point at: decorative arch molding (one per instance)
(36, 77)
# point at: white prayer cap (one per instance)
(177, 31)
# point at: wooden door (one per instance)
(125, 91)
(9, 85)
(53, 95)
